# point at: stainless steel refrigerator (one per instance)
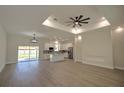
(70, 52)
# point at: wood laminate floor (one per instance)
(61, 74)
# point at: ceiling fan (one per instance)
(78, 21)
(34, 40)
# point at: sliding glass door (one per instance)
(28, 53)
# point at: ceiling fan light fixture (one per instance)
(76, 23)
(34, 40)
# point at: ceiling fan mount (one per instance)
(78, 21)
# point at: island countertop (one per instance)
(51, 52)
(56, 56)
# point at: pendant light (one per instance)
(34, 40)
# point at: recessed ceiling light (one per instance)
(103, 18)
(119, 29)
(79, 37)
(56, 42)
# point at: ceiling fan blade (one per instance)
(76, 17)
(84, 22)
(80, 17)
(69, 22)
(79, 24)
(85, 19)
(74, 25)
(72, 18)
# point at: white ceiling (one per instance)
(26, 20)
(96, 19)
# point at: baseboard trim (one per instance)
(14, 62)
(78, 61)
(120, 68)
(2, 67)
(44, 59)
(11, 62)
(99, 65)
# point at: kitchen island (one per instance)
(56, 56)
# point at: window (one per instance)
(28, 53)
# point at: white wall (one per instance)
(2, 48)
(78, 50)
(15, 40)
(96, 47)
(118, 48)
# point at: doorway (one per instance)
(28, 53)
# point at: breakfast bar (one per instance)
(56, 56)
